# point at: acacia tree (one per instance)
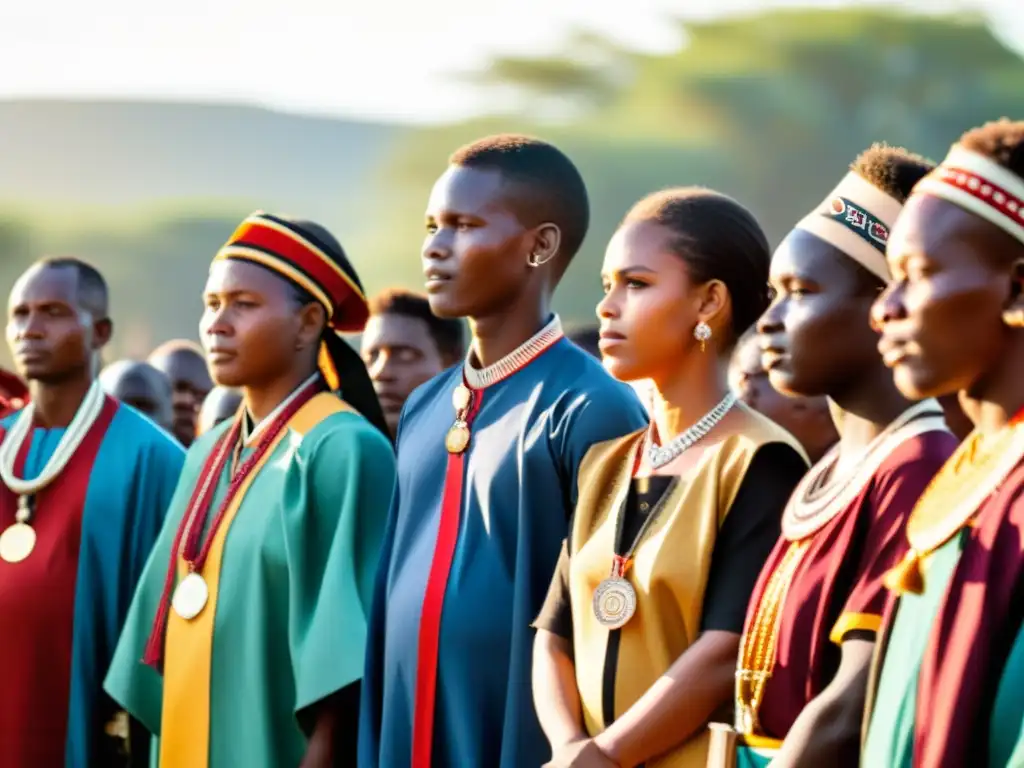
(770, 108)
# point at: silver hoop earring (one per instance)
(702, 333)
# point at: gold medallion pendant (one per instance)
(614, 602)
(17, 542)
(457, 439)
(191, 596)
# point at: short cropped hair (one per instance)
(447, 333)
(718, 239)
(92, 291)
(553, 189)
(893, 170)
(178, 345)
(1001, 141)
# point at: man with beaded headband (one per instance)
(817, 607)
(488, 455)
(952, 320)
(86, 483)
(245, 640)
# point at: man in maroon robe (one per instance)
(952, 320)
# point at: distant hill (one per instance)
(147, 191)
(65, 154)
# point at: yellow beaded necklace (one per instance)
(972, 474)
(757, 655)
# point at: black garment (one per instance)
(744, 542)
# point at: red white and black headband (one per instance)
(980, 185)
(856, 218)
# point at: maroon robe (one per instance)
(837, 587)
(974, 629)
(37, 631)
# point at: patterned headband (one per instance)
(856, 218)
(979, 185)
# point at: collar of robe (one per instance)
(517, 359)
(807, 512)
(86, 415)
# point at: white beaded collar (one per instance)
(523, 355)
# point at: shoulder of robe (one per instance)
(610, 452)
(579, 373)
(922, 454)
(196, 454)
(440, 385)
(1011, 494)
(130, 425)
(336, 431)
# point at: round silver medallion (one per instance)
(191, 596)
(614, 602)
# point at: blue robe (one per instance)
(528, 439)
(128, 487)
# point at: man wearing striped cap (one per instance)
(952, 320)
(244, 644)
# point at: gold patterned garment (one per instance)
(669, 571)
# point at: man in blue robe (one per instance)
(86, 483)
(488, 453)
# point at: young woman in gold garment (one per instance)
(637, 642)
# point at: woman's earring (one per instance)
(702, 333)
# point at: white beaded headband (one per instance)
(979, 185)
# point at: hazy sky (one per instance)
(382, 58)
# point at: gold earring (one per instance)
(1014, 318)
(702, 333)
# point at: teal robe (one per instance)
(289, 603)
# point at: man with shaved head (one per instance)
(85, 485)
(141, 386)
(185, 365)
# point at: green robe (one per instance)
(891, 733)
(890, 739)
(288, 610)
